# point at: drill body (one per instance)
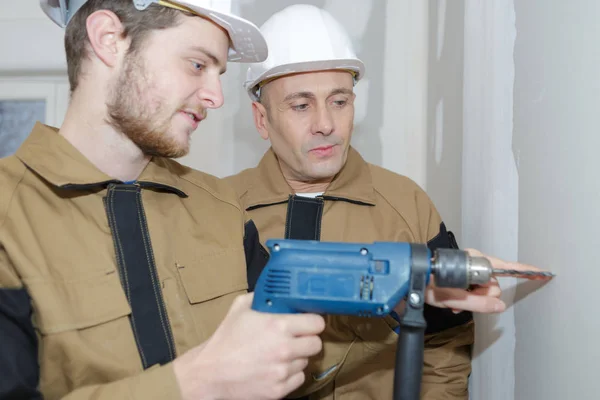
(335, 278)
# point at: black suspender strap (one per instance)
(303, 220)
(139, 277)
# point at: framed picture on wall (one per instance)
(25, 102)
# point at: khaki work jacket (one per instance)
(103, 284)
(364, 203)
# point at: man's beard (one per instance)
(146, 124)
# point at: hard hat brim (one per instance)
(247, 42)
(354, 66)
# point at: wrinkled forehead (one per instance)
(320, 84)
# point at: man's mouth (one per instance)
(323, 150)
(193, 115)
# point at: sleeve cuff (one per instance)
(156, 383)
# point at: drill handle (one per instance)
(409, 363)
(409, 353)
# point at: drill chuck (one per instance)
(457, 269)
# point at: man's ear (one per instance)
(104, 30)
(260, 119)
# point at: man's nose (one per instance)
(211, 93)
(323, 121)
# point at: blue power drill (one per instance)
(366, 280)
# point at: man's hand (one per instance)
(481, 298)
(251, 355)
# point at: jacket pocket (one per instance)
(212, 275)
(63, 305)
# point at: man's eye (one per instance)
(197, 66)
(340, 103)
(300, 107)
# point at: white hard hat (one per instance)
(302, 38)
(247, 43)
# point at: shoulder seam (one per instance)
(387, 200)
(394, 207)
(246, 173)
(211, 192)
(188, 174)
(12, 196)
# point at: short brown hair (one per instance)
(137, 24)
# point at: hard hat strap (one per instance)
(144, 4)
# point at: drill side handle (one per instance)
(409, 353)
(409, 363)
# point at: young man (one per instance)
(313, 185)
(118, 266)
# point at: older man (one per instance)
(311, 184)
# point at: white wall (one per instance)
(530, 190)
(471, 172)
(490, 180)
(556, 135)
(29, 41)
(405, 58)
(444, 110)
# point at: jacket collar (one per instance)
(353, 183)
(53, 158)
